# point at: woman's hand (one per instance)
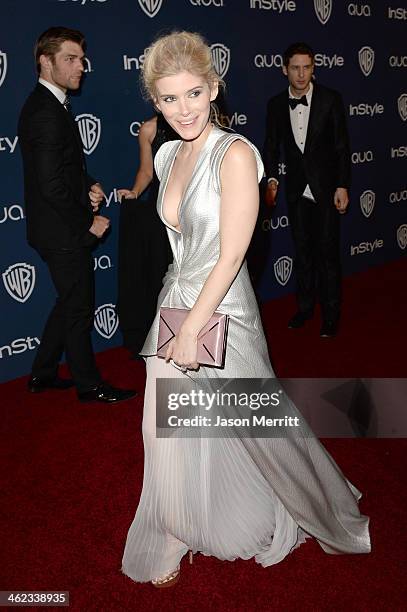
(127, 194)
(183, 351)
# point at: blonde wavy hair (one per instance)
(174, 53)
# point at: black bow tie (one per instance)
(294, 102)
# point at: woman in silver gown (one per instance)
(231, 497)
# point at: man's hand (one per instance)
(99, 226)
(96, 196)
(341, 199)
(271, 193)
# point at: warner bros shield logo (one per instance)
(402, 236)
(367, 202)
(90, 130)
(282, 269)
(323, 10)
(402, 106)
(220, 58)
(19, 281)
(366, 60)
(3, 67)
(106, 320)
(150, 7)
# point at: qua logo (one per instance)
(323, 10)
(367, 201)
(150, 7)
(359, 10)
(3, 67)
(282, 269)
(402, 236)
(220, 58)
(366, 60)
(102, 262)
(90, 130)
(135, 128)
(217, 3)
(106, 320)
(402, 106)
(13, 212)
(398, 196)
(398, 61)
(273, 224)
(19, 281)
(360, 157)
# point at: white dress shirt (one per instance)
(299, 117)
(58, 93)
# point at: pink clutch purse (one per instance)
(211, 340)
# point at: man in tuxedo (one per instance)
(308, 122)
(61, 202)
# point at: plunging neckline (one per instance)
(183, 197)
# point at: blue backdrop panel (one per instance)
(361, 51)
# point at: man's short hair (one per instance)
(50, 41)
(300, 48)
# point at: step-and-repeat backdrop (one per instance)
(360, 50)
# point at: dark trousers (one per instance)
(70, 322)
(315, 229)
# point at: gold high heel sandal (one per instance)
(172, 577)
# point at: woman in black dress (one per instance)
(144, 251)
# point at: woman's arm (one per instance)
(238, 214)
(145, 172)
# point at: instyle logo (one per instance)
(366, 247)
(136, 62)
(360, 157)
(232, 120)
(366, 60)
(282, 269)
(8, 144)
(150, 7)
(19, 281)
(19, 345)
(398, 61)
(106, 320)
(282, 168)
(398, 196)
(13, 213)
(398, 151)
(359, 10)
(397, 13)
(3, 67)
(329, 61)
(220, 58)
(402, 236)
(90, 130)
(274, 5)
(367, 201)
(323, 10)
(102, 262)
(217, 3)
(112, 197)
(365, 109)
(402, 106)
(274, 224)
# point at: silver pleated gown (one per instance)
(228, 497)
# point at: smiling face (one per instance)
(65, 68)
(299, 72)
(184, 100)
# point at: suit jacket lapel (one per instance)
(314, 114)
(287, 119)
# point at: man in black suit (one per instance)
(61, 199)
(308, 121)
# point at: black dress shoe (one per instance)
(36, 385)
(298, 320)
(107, 394)
(329, 329)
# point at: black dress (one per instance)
(144, 256)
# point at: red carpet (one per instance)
(71, 477)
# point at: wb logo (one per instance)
(402, 236)
(3, 67)
(19, 281)
(282, 269)
(402, 106)
(220, 58)
(90, 130)
(150, 7)
(323, 9)
(106, 320)
(367, 202)
(366, 60)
